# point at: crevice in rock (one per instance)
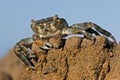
(67, 69)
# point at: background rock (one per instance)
(10, 67)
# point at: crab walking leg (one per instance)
(71, 30)
(106, 33)
(22, 51)
(88, 35)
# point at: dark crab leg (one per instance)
(22, 50)
(88, 35)
(104, 32)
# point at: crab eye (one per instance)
(55, 17)
(89, 24)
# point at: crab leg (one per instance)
(71, 30)
(102, 31)
(22, 50)
(88, 35)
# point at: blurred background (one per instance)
(15, 16)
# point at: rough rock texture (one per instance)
(114, 73)
(78, 59)
(73, 59)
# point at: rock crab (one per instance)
(50, 27)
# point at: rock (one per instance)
(5, 76)
(73, 59)
(114, 73)
(78, 59)
(73, 43)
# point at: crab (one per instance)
(58, 26)
(23, 49)
(50, 27)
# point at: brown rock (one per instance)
(73, 43)
(114, 73)
(5, 76)
(74, 59)
(77, 60)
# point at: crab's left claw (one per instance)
(104, 32)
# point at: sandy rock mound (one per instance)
(72, 59)
(78, 59)
(114, 73)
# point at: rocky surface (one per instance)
(114, 73)
(73, 59)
